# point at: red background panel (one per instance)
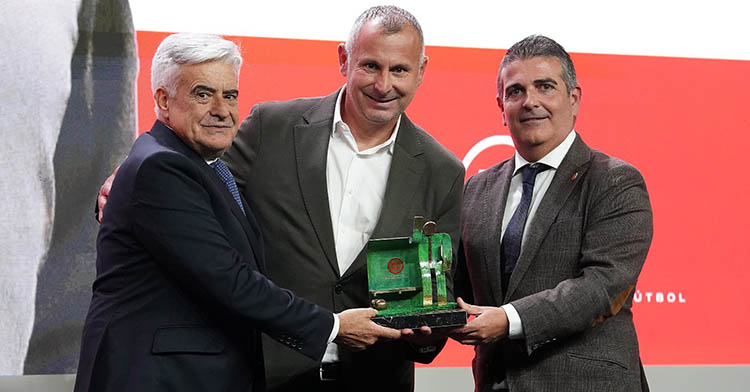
(682, 122)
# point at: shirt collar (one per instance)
(341, 129)
(553, 158)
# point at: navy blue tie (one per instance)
(510, 248)
(226, 177)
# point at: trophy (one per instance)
(406, 279)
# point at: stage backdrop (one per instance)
(663, 88)
(679, 118)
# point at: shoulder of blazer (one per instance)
(416, 141)
(309, 109)
(600, 165)
(481, 178)
(158, 141)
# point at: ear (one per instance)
(575, 99)
(161, 97)
(343, 59)
(422, 67)
(502, 108)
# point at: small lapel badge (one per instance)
(575, 175)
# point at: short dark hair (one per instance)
(392, 19)
(540, 46)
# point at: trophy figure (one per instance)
(406, 278)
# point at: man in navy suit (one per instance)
(180, 297)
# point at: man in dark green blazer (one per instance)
(355, 153)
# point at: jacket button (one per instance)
(338, 289)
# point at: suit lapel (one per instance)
(497, 184)
(247, 219)
(403, 180)
(311, 139)
(248, 223)
(575, 162)
(252, 231)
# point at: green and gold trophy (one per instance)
(406, 278)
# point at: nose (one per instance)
(383, 83)
(532, 100)
(219, 107)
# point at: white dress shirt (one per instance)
(356, 187)
(543, 180)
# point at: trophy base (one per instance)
(438, 319)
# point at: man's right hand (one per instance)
(357, 331)
(489, 325)
(101, 198)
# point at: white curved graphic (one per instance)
(494, 140)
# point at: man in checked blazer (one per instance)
(563, 320)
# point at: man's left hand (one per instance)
(423, 336)
(489, 325)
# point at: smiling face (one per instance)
(382, 75)
(536, 105)
(203, 111)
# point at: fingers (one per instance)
(469, 334)
(466, 335)
(468, 340)
(489, 326)
(357, 330)
(387, 333)
(101, 198)
(469, 308)
(422, 331)
(361, 312)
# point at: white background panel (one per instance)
(702, 29)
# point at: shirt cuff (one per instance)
(335, 330)
(515, 328)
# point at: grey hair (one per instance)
(392, 19)
(189, 48)
(540, 46)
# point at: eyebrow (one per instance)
(201, 87)
(212, 90)
(368, 60)
(401, 65)
(546, 80)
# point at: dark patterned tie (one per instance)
(511, 244)
(226, 177)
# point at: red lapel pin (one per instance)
(575, 175)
